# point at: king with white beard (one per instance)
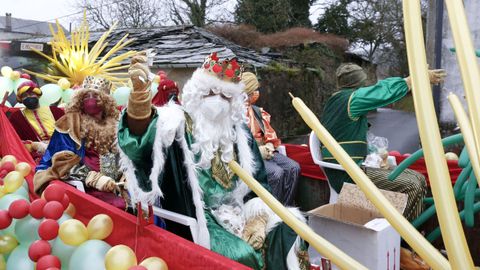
(180, 154)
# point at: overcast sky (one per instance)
(47, 10)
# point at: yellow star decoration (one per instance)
(75, 60)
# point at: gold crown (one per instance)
(227, 70)
(97, 84)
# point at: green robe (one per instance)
(177, 194)
(345, 117)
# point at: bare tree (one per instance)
(128, 13)
(199, 12)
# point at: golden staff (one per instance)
(406, 230)
(466, 128)
(324, 247)
(467, 62)
(440, 181)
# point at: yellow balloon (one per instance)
(451, 156)
(6, 71)
(156, 79)
(2, 191)
(9, 158)
(154, 263)
(13, 181)
(71, 210)
(63, 83)
(73, 232)
(120, 257)
(7, 244)
(23, 168)
(15, 75)
(100, 227)
(3, 265)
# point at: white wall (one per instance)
(453, 81)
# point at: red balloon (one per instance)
(38, 249)
(48, 261)
(53, 210)
(65, 201)
(54, 193)
(8, 166)
(5, 219)
(19, 209)
(48, 229)
(25, 76)
(52, 268)
(138, 267)
(36, 208)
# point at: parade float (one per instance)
(68, 229)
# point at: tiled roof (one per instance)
(180, 46)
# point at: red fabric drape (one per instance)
(10, 144)
(149, 240)
(301, 154)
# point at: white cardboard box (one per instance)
(357, 228)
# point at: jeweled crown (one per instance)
(226, 70)
(97, 84)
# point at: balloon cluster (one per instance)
(10, 80)
(121, 257)
(121, 93)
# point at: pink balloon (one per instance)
(36, 208)
(19, 209)
(48, 261)
(38, 249)
(54, 193)
(48, 229)
(5, 219)
(53, 210)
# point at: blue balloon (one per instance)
(62, 251)
(6, 200)
(6, 84)
(90, 255)
(19, 259)
(121, 95)
(67, 95)
(154, 88)
(21, 191)
(63, 218)
(51, 93)
(26, 230)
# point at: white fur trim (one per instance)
(197, 193)
(256, 206)
(204, 82)
(292, 258)
(247, 162)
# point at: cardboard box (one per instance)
(357, 228)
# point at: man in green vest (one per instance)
(345, 117)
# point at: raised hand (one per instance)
(139, 72)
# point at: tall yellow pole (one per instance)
(447, 212)
(466, 128)
(324, 247)
(403, 227)
(468, 63)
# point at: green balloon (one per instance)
(62, 251)
(154, 88)
(17, 83)
(21, 191)
(19, 259)
(26, 230)
(5, 85)
(67, 95)
(121, 95)
(63, 218)
(90, 255)
(51, 93)
(25, 185)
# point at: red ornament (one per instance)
(26, 76)
(54, 193)
(48, 229)
(65, 201)
(138, 267)
(53, 210)
(38, 249)
(8, 166)
(19, 209)
(5, 219)
(229, 73)
(217, 68)
(36, 208)
(48, 261)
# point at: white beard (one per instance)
(211, 135)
